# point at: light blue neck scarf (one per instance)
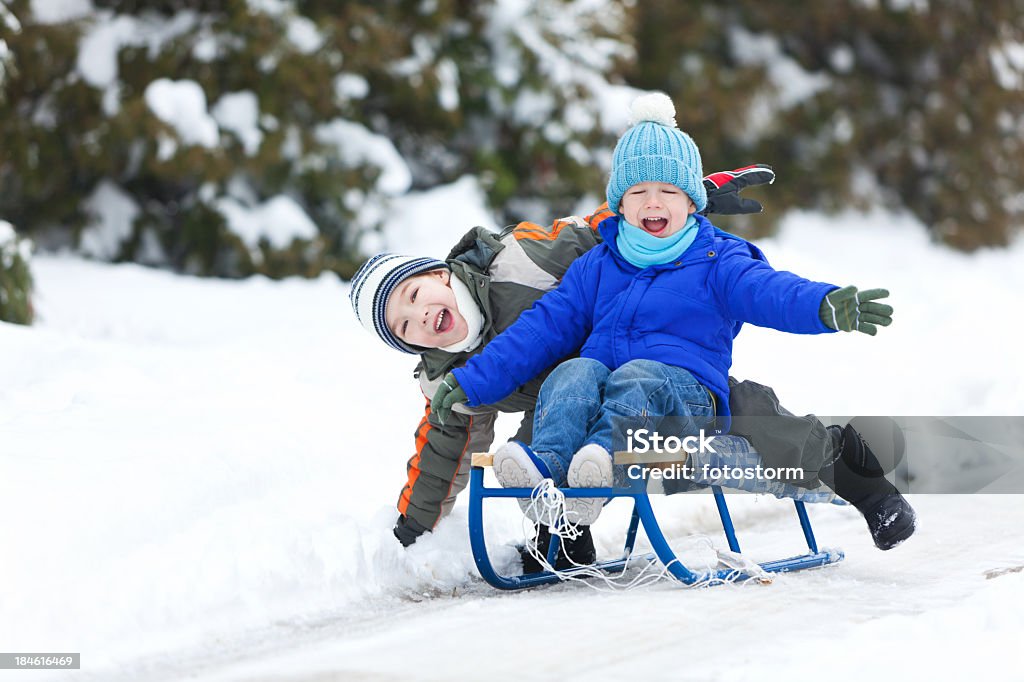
(643, 249)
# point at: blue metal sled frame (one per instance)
(642, 513)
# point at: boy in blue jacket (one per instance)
(654, 310)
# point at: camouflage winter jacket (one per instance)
(506, 272)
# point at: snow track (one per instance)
(871, 615)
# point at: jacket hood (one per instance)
(477, 248)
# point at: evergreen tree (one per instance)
(15, 277)
(914, 104)
(348, 105)
(242, 136)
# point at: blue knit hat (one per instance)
(373, 285)
(655, 150)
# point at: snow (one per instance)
(9, 21)
(207, 46)
(97, 56)
(303, 34)
(928, 293)
(535, 107)
(59, 11)
(520, 32)
(909, 5)
(430, 223)
(272, 8)
(423, 54)
(842, 58)
(239, 113)
(356, 145)
(108, 33)
(11, 247)
(113, 213)
(182, 105)
(206, 472)
(448, 92)
(350, 86)
(6, 60)
(279, 221)
(198, 476)
(793, 83)
(7, 234)
(1008, 65)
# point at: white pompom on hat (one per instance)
(655, 150)
(655, 107)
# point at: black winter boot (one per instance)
(581, 551)
(889, 516)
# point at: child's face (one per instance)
(658, 208)
(422, 311)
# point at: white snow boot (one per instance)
(514, 468)
(591, 467)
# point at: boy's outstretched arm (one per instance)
(752, 291)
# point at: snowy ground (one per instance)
(197, 481)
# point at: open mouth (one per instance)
(654, 225)
(443, 322)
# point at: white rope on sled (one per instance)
(547, 505)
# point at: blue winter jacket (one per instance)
(684, 313)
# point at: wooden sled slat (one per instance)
(482, 459)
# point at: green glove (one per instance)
(847, 310)
(448, 393)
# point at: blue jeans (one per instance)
(582, 402)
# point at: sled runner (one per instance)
(643, 514)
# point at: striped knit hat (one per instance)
(373, 285)
(655, 150)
